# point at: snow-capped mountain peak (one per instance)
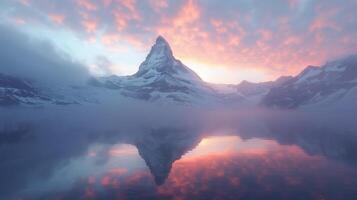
(161, 77)
(160, 53)
(161, 62)
(323, 85)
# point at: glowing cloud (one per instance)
(255, 40)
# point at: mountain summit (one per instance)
(161, 76)
(160, 61)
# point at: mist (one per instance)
(37, 60)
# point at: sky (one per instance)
(223, 41)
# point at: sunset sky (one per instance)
(223, 41)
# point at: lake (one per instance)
(62, 160)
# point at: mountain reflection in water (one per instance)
(187, 167)
(283, 160)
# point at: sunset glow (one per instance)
(223, 42)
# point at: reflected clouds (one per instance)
(177, 156)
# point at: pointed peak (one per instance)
(161, 49)
(160, 39)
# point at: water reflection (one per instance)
(160, 148)
(223, 167)
(289, 160)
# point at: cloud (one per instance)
(87, 4)
(38, 60)
(274, 37)
(57, 18)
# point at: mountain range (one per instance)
(163, 78)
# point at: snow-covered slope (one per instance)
(164, 79)
(161, 77)
(314, 86)
(247, 92)
(15, 91)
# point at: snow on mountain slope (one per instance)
(316, 85)
(161, 77)
(15, 91)
(164, 79)
(247, 92)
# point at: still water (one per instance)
(178, 164)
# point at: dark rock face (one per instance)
(315, 84)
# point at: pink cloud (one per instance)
(266, 34)
(231, 38)
(107, 2)
(125, 13)
(158, 5)
(87, 4)
(90, 25)
(129, 4)
(324, 19)
(57, 18)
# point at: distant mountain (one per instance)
(164, 79)
(316, 85)
(16, 91)
(161, 77)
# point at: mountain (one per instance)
(16, 91)
(164, 79)
(161, 77)
(324, 85)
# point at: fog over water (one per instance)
(38, 144)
